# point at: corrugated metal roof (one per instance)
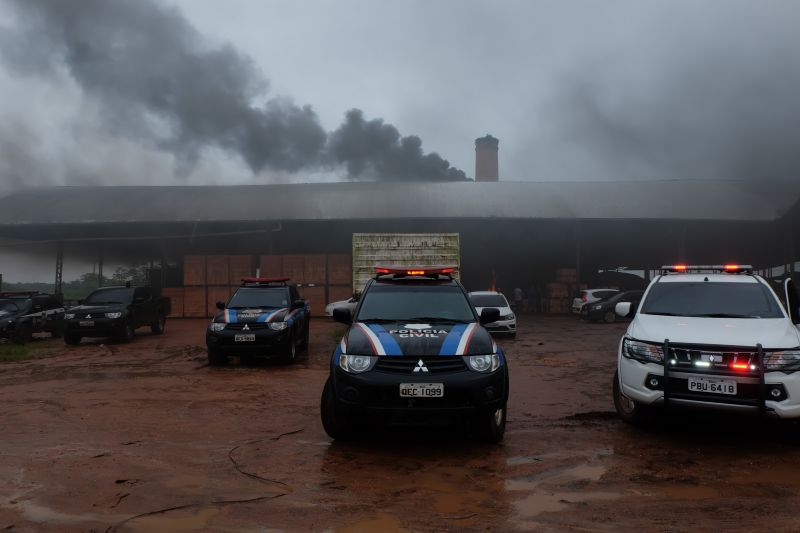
(684, 200)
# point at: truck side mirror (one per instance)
(623, 309)
(298, 304)
(489, 315)
(342, 314)
(221, 306)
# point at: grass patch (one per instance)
(15, 352)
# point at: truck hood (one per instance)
(769, 332)
(417, 339)
(259, 314)
(90, 309)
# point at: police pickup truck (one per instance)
(416, 349)
(710, 337)
(116, 312)
(24, 313)
(264, 317)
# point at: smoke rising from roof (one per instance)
(159, 82)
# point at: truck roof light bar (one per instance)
(403, 271)
(728, 268)
(256, 282)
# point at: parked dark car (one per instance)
(604, 309)
(116, 312)
(24, 313)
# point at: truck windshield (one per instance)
(711, 300)
(415, 302)
(259, 297)
(7, 306)
(488, 300)
(120, 295)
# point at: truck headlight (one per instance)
(69, 316)
(355, 364)
(113, 315)
(278, 326)
(782, 360)
(217, 326)
(642, 351)
(483, 363)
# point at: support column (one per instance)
(100, 272)
(59, 273)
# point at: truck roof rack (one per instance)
(709, 269)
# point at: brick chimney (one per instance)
(486, 158)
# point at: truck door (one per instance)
(144, 312)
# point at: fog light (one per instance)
(775, 393)
(654, 382)
(489, 393)
(351, 394)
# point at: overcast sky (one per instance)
(574, 89)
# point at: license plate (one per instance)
(87, 323)
(245, 337)
(421, 390)
(714, 386)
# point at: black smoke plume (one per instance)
(161, 82)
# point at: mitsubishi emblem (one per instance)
(420, 367)
(88, 316)
(246, 328)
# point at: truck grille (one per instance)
(714, 359)
(253, 326)
(406, 364)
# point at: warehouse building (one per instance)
(511, 233)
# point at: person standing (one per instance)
(518, 299)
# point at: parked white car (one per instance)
(507, 324)
(350, 304)
(588, 296)
(711, 338)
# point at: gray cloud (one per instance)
(160, 82)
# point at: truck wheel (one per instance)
(72, 339)
(128, 332)
(610, 317)
(491, 426)
(629, 410)
(332, 422)
(24, 334)
(58, 331)
(159, 325)
(291, 350)
(216, 358)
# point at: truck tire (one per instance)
(610, 317)
(490, 426)
(24, 334)
(159, 325)
(58, 331)
(216, 358)
(306, 335)
(72, 339)
(128, 331)
(630, 411)
(332, 422)
(291, 351)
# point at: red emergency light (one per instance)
(740, 366)
(727, 268)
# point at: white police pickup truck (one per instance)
(713, 337)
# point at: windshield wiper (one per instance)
(722, 315)
(661, 313)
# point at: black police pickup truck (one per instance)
(416, 350)
(264, 317)
(24, 313)
(116, 312)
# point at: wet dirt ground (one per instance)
(147, 437)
